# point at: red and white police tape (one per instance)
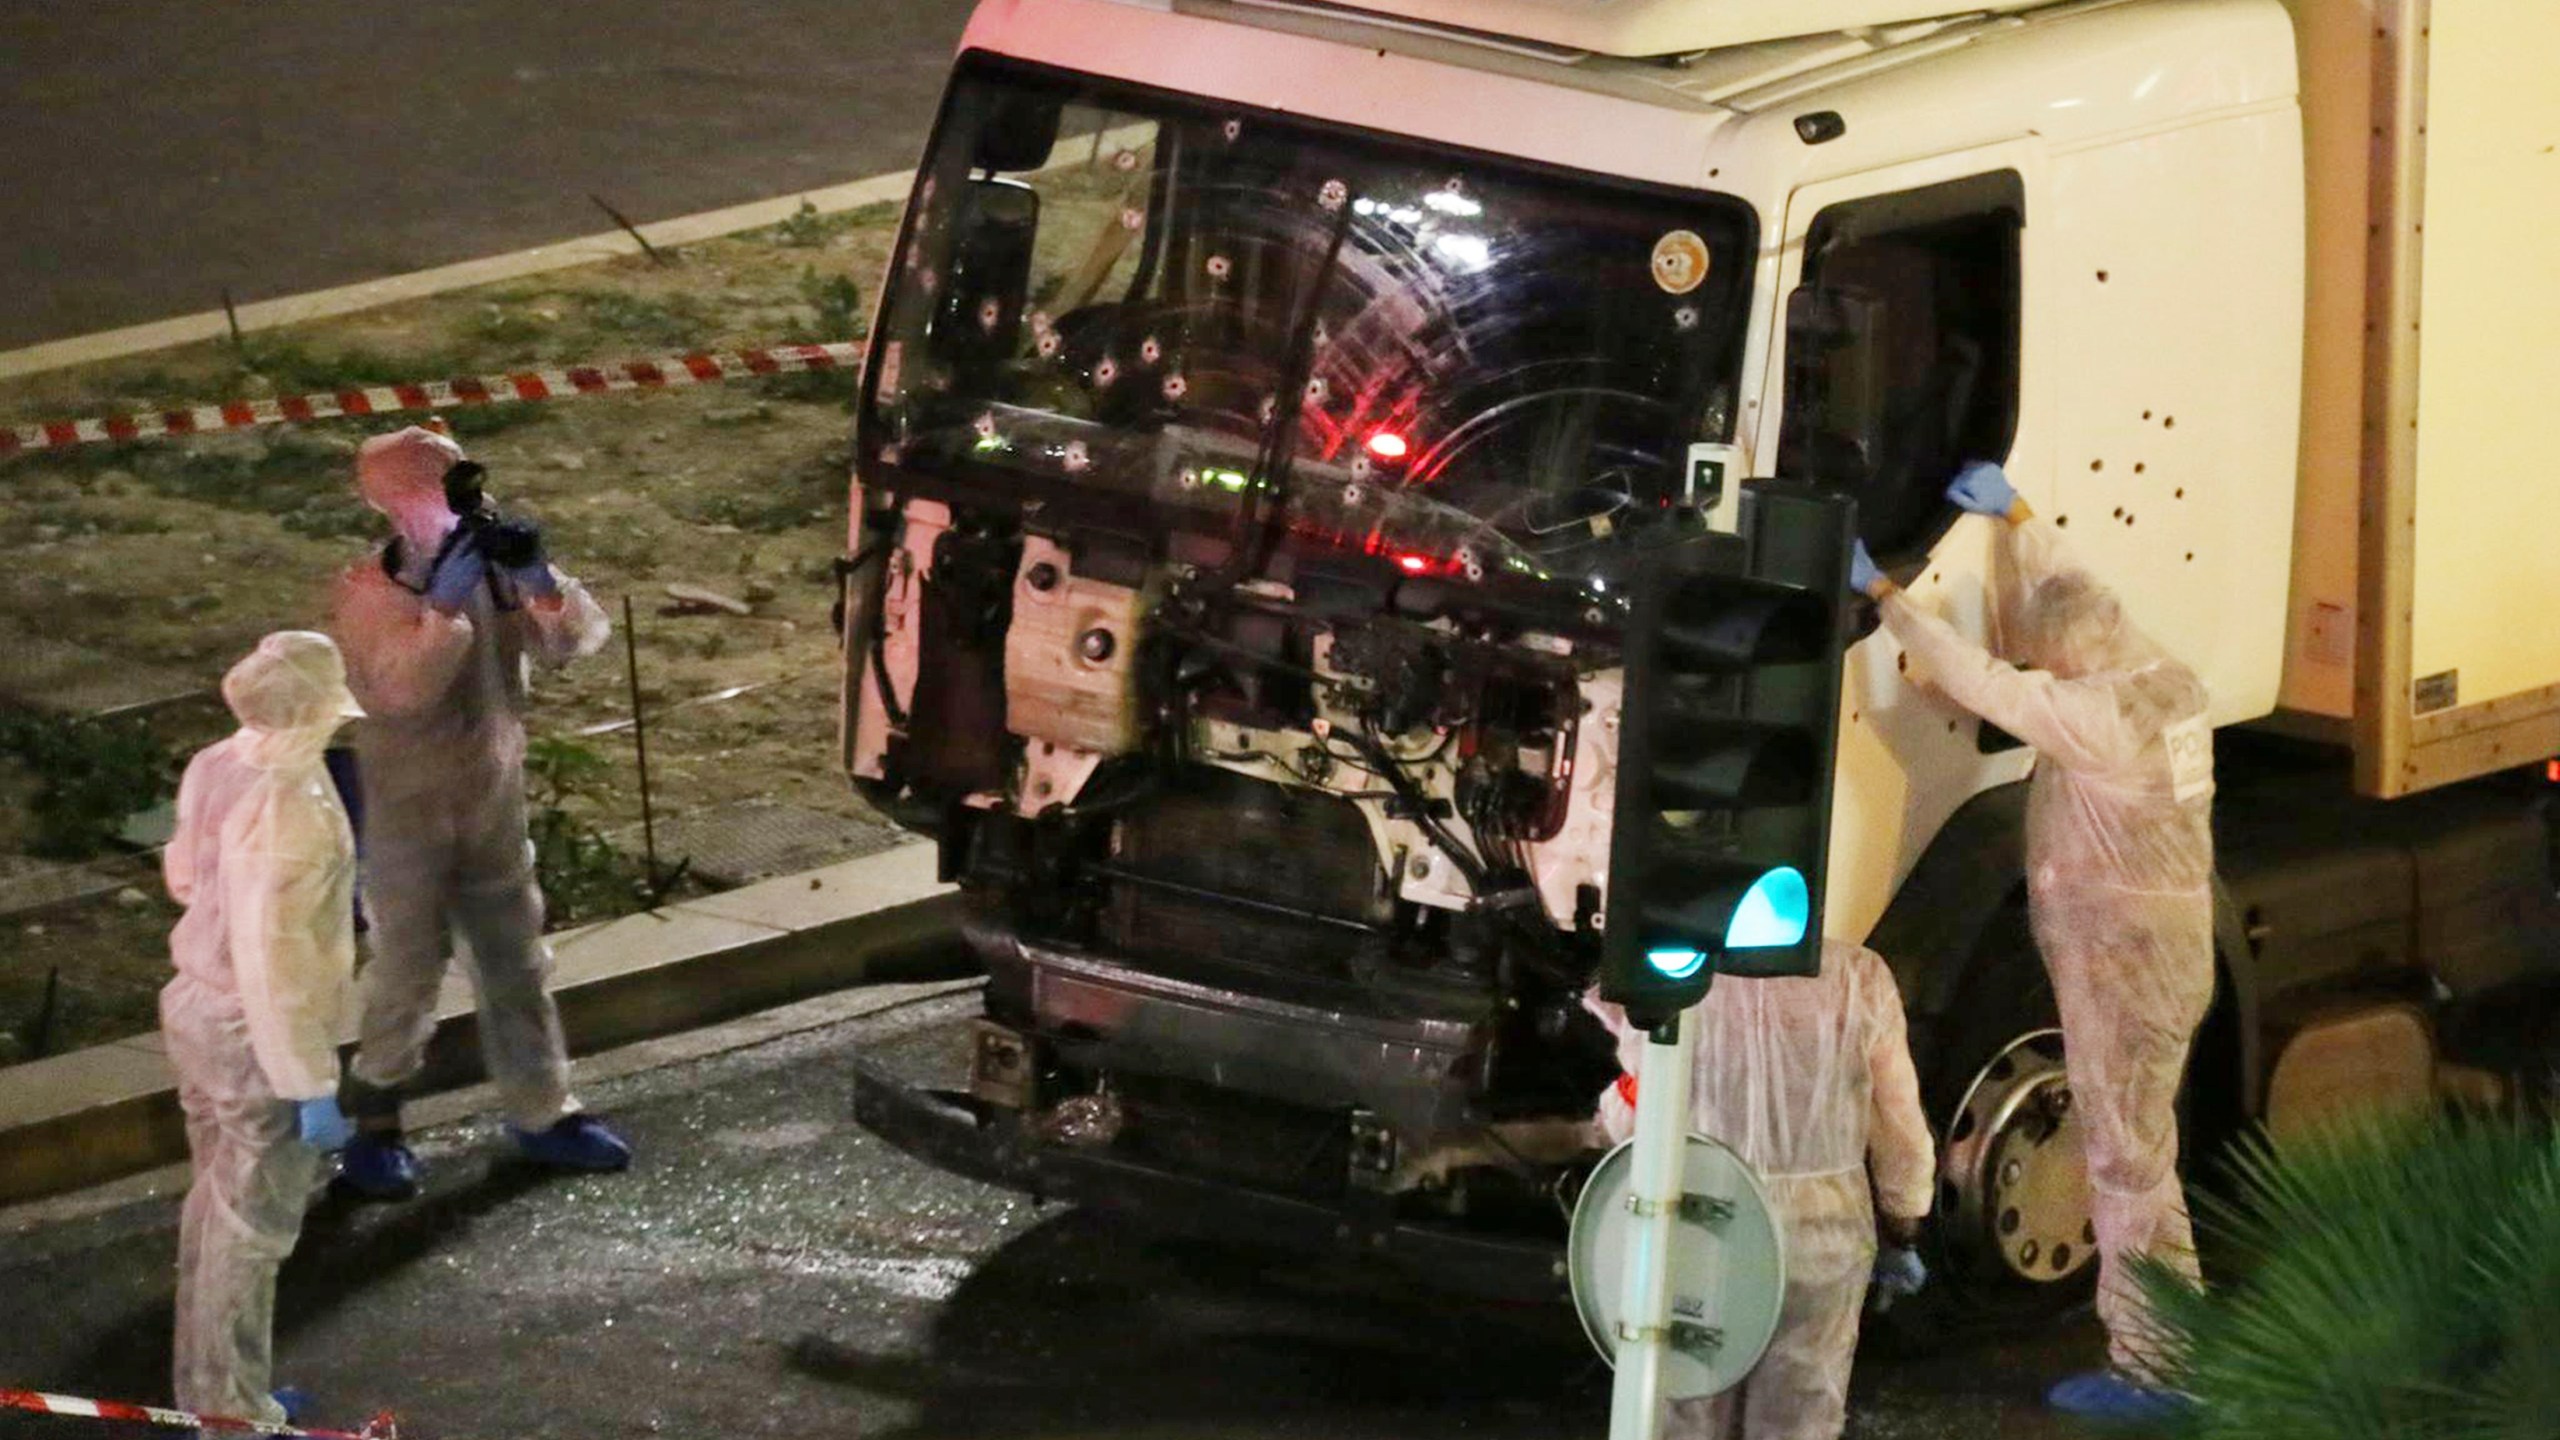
(72, 1407)
(655, 374)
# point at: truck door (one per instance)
(1899, 347)
(1898, 355)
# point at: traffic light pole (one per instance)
(1656, 1181)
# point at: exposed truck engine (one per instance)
(1278, 737)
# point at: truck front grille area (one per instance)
(1222, 864)
(1218, 1134)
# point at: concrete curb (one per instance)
(112, 1110)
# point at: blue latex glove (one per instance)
(1862, 568)
(322, 1125)
(461, 571)
(1982, 488)
(1899, 1272)
(535, 580)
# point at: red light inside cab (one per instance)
(1388, 445)
(1413, 564)
(2551, 771)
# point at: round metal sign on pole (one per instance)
(1728, 1268)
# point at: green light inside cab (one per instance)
(1774, 911)
(1226, 479)
(1676, 962)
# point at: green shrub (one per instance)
(584, 876)
(806, 229)
(91, 775)
(2396, 1280)
(835, 309)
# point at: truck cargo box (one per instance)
(2424, 587)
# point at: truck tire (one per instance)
(2009, 1241)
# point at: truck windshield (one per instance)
(1101, 288)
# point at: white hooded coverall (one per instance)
(264, 864)
(441, 760)
(1810, 1080)
(2119, 854)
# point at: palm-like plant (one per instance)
(2393, 1280)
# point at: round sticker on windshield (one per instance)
(1680, 262)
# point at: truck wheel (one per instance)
(2011, 1235)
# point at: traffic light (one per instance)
(1726, 735)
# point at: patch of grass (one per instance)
(731, 417)
(37, 520)
(670, 323)
(338, 519)
(839, 386)
(760, 514)
(807, 229)
(474, 422)
(278, 471)
(80, 461)
(811, 492)
(90, 775)
(511, 325)
(295, 366)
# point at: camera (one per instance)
(506, 544)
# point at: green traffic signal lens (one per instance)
(1774, 911)
(1676, 962)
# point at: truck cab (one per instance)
(1269, 407)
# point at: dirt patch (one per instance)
(106, 962)
(142, 571)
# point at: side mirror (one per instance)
(1018, 130)
(1833, 430)
(994, 226)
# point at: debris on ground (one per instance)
(699, 597)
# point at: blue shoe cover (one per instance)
(379, 1167)
(295, 1401)
(2110, 1398)
(575, 1142)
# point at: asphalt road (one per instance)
(155, 151)
(769, 1269)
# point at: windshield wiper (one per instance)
(1258, 520)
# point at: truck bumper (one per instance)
(953, 1132)
(1416, 1064)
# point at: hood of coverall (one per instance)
(402, 475)
(2075, 626)
(290, 694)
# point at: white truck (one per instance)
(1266, 395)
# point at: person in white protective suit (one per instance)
(1808, 1078)
(2119, 855)
(264, 864)
(438, 627)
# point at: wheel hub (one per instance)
(2016, 1182)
